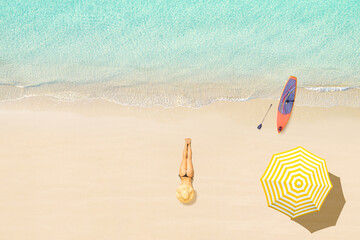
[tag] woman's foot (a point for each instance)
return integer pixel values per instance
(188, 141)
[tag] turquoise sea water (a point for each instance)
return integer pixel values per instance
(180, 53)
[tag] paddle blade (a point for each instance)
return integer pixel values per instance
(259, 127)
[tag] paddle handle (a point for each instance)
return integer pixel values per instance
(266, 113)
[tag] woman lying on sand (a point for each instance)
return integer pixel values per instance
(185, 192)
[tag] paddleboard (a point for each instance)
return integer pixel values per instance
(286, 103)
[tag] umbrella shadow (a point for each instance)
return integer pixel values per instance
(329, 212)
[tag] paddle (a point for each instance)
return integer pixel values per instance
(259, 127)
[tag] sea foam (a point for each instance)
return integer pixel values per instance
(328, 88)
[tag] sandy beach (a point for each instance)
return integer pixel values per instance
(97, 170)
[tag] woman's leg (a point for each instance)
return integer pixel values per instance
(183, 166)
(190, 168)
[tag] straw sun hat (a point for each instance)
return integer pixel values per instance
(185, 193)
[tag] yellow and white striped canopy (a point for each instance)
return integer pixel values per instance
(296, 182)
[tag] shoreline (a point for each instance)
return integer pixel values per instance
(188, 94)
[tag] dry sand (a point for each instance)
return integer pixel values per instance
(96, 170)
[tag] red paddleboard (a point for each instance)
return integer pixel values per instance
(286, 103)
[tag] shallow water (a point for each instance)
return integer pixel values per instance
(180, 53)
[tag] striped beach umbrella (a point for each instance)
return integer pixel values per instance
(296, 182)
